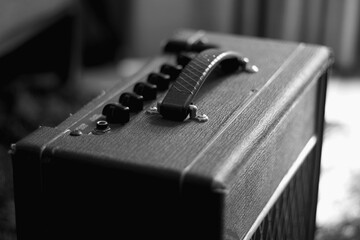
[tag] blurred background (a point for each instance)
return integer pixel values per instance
(56, 55)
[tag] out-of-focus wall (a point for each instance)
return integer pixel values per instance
(155, 20)
(334, 23)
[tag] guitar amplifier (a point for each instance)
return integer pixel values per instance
(218, 137)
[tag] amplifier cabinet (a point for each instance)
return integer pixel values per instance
(249, 172)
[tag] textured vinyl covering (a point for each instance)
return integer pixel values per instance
(213, 178)
(175, 146)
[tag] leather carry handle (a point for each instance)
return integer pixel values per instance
(176, 103)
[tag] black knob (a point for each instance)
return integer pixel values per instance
(133, 101)
(161, 80)
(176, 46)
(171, 70)
(184, 58)
(147, 90)
(116, 113)
(201, 46)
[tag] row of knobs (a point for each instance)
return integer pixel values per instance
(143, 91)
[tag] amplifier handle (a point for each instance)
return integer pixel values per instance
(177, 103)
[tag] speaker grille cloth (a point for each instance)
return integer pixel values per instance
(291, 216)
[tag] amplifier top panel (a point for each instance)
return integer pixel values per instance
(240, 107)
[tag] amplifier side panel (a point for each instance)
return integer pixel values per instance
(292, 213)
(296, 140)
